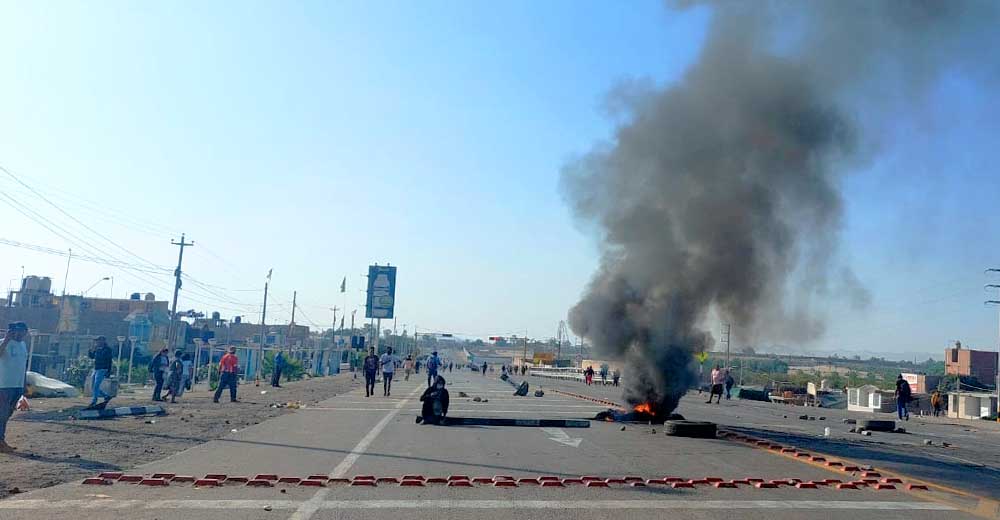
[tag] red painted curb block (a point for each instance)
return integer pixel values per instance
(891, 480)
(370, 483)
(259, 483)
(850, 469)
(130, 478)
(266, 476)
(215, 476)
(614, 481)
(183, 478)
(316, 477)
(914, 487)
(776, 447)
(460, 483)
(656, 481)
(880, 487)
(356, 477)
(806, 485)
(412, 483)
(97, 481)
(527, 481)
(552, 483)
(788, 450)
(674, 479)
(846, 485)
(697, 481)
(113, 475)
(725, 485)
(591, 477)
(634, 479)
(817, 459)
(289, 480)
(166, 476)
(713, 479)
(802, 455)
(413, 477)
(207, 482)
(818, 482)
(743, 481)
(502, 477)
(765, 485)
(542, 479)
(780, 483)
(859, 483)
(239, 480)
(677, 485)
(834, 463)
(597, 483)
(755, 480)
(337, 481)
(436, 480)
(154, 482)
(319, 483)
(505, 483)
(638, 484)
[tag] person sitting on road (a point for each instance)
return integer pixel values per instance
(718, 380)
(435, 399)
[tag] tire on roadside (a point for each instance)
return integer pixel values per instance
(878, 425)
(696, 429)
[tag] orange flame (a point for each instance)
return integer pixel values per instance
(644, 408)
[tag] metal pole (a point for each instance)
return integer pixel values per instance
(118, 371)
(378, 333)
(263, 334)
(996, 366)
(131, 356)
(31, 350)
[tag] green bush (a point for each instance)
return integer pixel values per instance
(77, 371)
(293, 370)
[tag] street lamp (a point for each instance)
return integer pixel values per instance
(95, 285)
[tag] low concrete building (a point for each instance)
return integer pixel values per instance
(921, 383)
(980, 364)
(870, 398)
(971, 405)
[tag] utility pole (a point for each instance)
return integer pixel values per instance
(291, 325)
(263, 331)
(172, 336)
(996, 379)
(726, 329)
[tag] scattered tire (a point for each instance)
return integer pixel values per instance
(696, 429)
(878, 425)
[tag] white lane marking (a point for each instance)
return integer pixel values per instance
(35, 504)
(309, 508)
(558, 435)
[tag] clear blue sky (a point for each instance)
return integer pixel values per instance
(316, 138)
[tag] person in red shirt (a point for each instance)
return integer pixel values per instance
(228, 366)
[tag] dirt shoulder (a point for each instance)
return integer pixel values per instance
(53, 447)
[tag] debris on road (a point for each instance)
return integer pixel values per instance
(522, 389)
(928, 442)
(477, 399)
(463, 394)
(122, 411)
(539, 393)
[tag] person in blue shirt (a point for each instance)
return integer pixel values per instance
(433, 363)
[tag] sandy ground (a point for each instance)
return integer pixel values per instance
(53, 447)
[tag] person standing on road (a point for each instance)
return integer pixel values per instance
(433, 363)
(451, 366)
(524, 369)
(158, 367)
(13, 365)
(936, 402)
(903, 395)
(371, 371)
(228, 366)
(588, 375)
(604, 374)
(615, 376)
(435, 407)
(101, 353)
(279, 365)
(729, 382)
(407, 367)
(175, 383)
(388, 363)
(188, 371)
(485, 366)
(718, 380)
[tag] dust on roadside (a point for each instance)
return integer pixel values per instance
(53, 447)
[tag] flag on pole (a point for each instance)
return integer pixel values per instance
(269, 274)
(343, 285)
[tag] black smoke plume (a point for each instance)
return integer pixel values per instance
(718, 197)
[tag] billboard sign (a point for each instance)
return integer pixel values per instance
(381, 292)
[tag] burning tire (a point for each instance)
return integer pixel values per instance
(697, 429)
(878, 426)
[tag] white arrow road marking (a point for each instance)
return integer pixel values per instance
(558, 435)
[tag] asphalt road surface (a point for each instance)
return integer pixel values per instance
(350, 435)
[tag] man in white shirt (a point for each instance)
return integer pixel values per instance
(388, 362)
(13, 365)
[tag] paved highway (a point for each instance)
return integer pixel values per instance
(350, 435)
